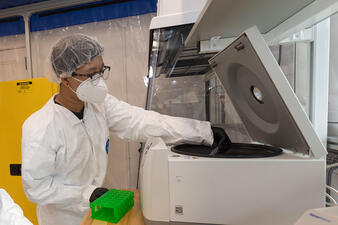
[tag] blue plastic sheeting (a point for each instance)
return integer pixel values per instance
(12, 26)
(81, 14)
(98, 11)
(4, 4)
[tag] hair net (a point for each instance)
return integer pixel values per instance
(72, 52)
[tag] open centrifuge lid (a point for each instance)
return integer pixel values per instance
(263, 97)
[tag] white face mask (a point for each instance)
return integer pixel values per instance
(92, 91)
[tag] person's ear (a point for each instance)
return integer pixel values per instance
(65, 81)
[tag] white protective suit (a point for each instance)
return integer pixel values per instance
(64, 159)
(11, 213)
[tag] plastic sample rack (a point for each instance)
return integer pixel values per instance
(112, 206)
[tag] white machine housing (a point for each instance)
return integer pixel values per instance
(321, 216)
(184, 189)
(181, 189)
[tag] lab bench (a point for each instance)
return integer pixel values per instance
(133, 217)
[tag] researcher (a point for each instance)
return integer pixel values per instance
(65, 143)
(10, 212)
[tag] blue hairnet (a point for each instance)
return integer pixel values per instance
(72, 52)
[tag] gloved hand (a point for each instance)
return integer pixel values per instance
(221, 141)
(97, 193)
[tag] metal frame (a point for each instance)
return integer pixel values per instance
(320, 82)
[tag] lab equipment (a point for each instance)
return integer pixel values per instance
(204, 190)
(180, 188)
(320, 216)
(112, 206)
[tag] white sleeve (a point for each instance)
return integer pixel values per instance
(137, 124)
(39, 178)
(10, 212)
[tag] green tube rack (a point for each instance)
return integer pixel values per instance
(112, 206)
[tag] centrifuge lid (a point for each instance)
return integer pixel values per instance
(263, 97)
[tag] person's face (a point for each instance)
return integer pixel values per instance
(93, 66)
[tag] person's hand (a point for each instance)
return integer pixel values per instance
(97, 193)
(221, 141)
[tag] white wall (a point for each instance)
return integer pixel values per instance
(12, 58)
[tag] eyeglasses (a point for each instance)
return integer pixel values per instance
(104, 73)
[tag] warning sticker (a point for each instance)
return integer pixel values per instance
(24, 87)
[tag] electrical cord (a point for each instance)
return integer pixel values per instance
(332, 189)
(330, 204)
(330, 170)
(334, 203)
(332, 199)
(332, 165)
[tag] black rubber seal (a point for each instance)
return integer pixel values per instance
(237, 150)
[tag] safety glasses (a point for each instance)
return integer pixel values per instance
(104, 73)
